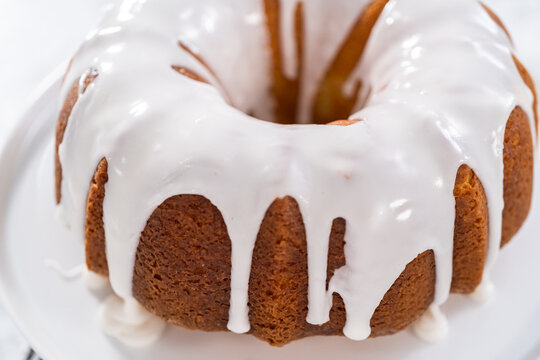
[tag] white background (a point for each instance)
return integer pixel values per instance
(36, 36)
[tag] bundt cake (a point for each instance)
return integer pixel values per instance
(210, 218)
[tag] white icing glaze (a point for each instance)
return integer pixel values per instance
(442, 93)
(432, 327)
(127, 321)
(484, 292)
(94, 281)
(287, 16)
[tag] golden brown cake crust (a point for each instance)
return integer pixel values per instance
(471, 231)
(278, 279)
(189, 73)
(94, 234)
(518, 173)
(183, 264)
(343, 122)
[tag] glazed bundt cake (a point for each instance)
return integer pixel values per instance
(211, 219)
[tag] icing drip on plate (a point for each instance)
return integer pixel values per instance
(66, 274)
(484, 292)
(129, 322)
(90, 279)
(432, 327)
(441, 95)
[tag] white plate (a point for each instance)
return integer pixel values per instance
(59, 317)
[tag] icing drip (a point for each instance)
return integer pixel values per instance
(484, 292)
(94, 281)
(68, 274)
(129, 322)
(442, 94)
(432, 327)
(91, 280)
(287, 10)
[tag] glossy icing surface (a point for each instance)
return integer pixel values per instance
(438, 97)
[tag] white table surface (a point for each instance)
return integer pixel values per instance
(36, 36)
